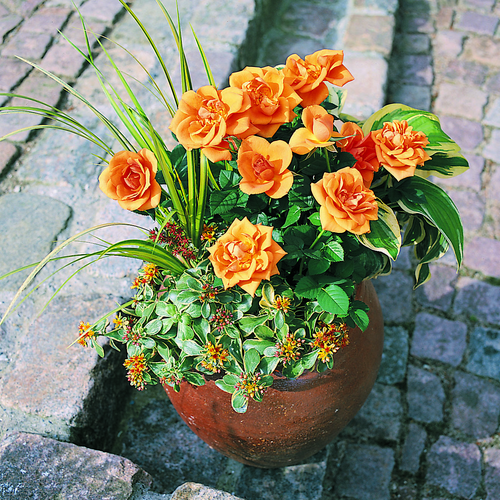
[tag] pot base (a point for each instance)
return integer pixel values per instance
(296, 418)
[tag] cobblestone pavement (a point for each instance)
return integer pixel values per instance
(430, 428)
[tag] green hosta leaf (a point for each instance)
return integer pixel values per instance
(439, 209)
(194, 378)
(385, 234)
(251, 360)
(239, 402)
(334, 300)
(414, 231)
(443, 165)
(422, 274)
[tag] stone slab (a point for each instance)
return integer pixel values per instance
(196, 491)
(425, 395)
(394, 356)
(477, 300)
(460, 100)
(395, 295)
(439, 291)
(33, 467)
(40, 219)
(486, 261)
(412, 448)
(492, 476)
(484, 352)
(455, 466)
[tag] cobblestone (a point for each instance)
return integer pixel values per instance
(449, 43)
(467, 72)
(395, 356)
(8, 152)
(493, 115)
(365, 473)
(459, 100)
(395, 289)
(484, 356)
(476, 406)
(468, 134)
(455, 466)
(439, 339)
(438, 292)
(477, 300)
(486, 260)
(483, 49)
(491, 150)
(492, 476)
(425, 395)
(366, 33)
(472, 209)
(7, 24)
(477, 23)
(412, 448)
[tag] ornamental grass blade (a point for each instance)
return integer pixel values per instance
(208, 70)
(155, 49)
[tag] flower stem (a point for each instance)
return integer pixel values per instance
(317, 239)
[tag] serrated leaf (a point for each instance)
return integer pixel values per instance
(360, 318)
(292, 217)
(333, 251)
(307, 288)
(318, 266)
(334, 300)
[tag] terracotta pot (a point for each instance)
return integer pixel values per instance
(297, 418)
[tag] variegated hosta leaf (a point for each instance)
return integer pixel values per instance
(438, 209)
(385, 233)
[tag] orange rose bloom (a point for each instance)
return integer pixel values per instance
(318, 130)
(362, 148)
(130, 179)
(346, 204)
(205, 117)
(400, 149)
(272, 99)
(307, 76)
(263, 166)
(245, 255)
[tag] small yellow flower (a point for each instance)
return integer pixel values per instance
(85, 334)
(282, 303)
(136, 366)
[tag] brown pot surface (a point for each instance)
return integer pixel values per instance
(296, 418)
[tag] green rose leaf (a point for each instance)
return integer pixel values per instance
(334, 300)
(307, 288)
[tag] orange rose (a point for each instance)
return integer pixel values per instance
(130, 179)
(272, 99)
(205, 117)
(318, 130)
(400, 149)
(307, 76)
(346, 204)
(362, 148)
(245, 255)
(263, 166)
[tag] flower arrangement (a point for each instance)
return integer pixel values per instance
(266, 216)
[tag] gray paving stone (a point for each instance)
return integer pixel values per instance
(13, 70)
(418, 43)
(22, 7)
(365, 473)
(8, 153)
(367, 91)
(417, 23)
(415, 69)
(477, 23)
(32, 466)
(31, 46)
(467, 72)
(303, 482)
(425, 395)
(448, 43)
(482, 49)
(486, 261)
(476, 406)
(484, 356)
(493, 82)
(46, 20)
(196, 491)
(370, 33)
(472, 208)
(444, 17)
(438, 292)
(492, 475)
(101, 10)
(467, 134)
(380, 416)
(438, 338)
(412, 448)
(394, 356)
(395, 295)
(415, 96)
(462, 101)
(493, 115)
(386, 6)
(455, 466)
(7, 24)
(477, 300)
(39, 217)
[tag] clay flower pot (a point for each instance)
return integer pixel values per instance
(297, 418)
